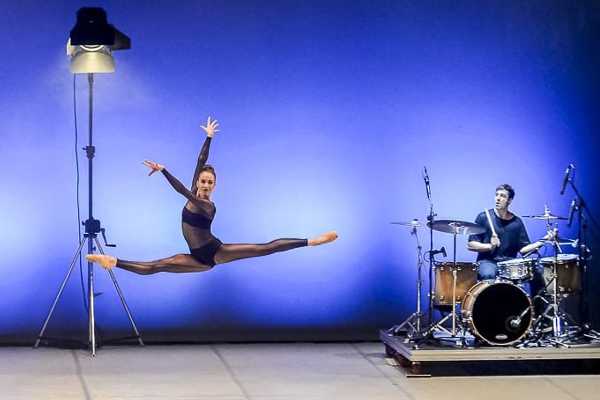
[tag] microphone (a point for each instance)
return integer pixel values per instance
(570, 167)
(426, 179)
(572, 209)
(515, 322)
(441, 251)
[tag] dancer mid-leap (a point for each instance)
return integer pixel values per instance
(197, 215)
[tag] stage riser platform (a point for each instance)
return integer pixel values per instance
(445, 360)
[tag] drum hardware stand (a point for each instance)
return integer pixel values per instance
(413, 322)
(92, 229)
(438, 326)
(563, 330)
(458, 332)
(583, 250)
(558, 318)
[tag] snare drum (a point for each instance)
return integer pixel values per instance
(517, 269)
(568, 273)
(466, 277)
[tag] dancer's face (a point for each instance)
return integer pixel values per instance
(206, 185)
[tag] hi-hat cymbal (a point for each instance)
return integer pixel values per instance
(456, 227)
(545, 217)
(414, 223)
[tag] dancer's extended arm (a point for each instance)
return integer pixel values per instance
(210, 129)
(205, 205)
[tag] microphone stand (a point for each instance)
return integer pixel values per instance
(583, 213)
(430, 220)
(414, 331)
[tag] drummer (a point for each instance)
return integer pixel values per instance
(510, 239)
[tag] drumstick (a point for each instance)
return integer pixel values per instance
(487, 214)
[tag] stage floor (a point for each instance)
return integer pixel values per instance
(286, 371)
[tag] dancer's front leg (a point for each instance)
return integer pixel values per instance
(231, 252)
(176, 264)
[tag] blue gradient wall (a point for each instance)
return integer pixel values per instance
(328, 112)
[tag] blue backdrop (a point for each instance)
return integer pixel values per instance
(328, 110)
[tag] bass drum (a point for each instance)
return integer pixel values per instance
(499, 313)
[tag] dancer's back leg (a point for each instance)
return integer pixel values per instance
(177, 263)
(231, 252)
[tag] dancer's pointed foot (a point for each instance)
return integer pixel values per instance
(323, 238)
(105, 261)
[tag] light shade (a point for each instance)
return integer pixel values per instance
(92, 41)
(90, 59)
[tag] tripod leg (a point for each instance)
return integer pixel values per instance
(91, 310)
(60, 290)
(122, 297)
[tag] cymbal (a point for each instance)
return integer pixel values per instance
(545, 217)
(414, 223)
(456, 227)
(562, 242)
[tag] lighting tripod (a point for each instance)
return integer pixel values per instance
(92, 229)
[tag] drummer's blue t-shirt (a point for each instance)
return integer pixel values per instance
(511, 232)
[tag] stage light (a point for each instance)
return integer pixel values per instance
(92, 41)
(90, 47)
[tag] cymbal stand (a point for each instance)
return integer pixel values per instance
(454, 278)
(413, 323)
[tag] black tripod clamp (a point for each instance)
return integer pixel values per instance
(93, 227)
(90, 151)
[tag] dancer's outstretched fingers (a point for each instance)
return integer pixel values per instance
(153, 166)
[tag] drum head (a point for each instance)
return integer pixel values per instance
(561, 258)
(501, 313)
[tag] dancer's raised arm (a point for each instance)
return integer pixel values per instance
(210, 129)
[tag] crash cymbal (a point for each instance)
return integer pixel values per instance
(414, 223)
(456, 227)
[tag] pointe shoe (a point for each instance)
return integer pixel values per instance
(105, 261)
(323, 238)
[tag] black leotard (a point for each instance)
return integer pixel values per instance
(197, 215)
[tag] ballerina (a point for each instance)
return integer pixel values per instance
(206, 250)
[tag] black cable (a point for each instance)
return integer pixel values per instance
(77, 190)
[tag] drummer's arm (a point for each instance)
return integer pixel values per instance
(475, 242)
(531, 247)
(479, 247)
(537, 244)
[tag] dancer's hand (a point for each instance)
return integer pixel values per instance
(211, 127)
(153, 166)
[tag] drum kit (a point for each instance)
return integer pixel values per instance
(499, 312)
(503, 311)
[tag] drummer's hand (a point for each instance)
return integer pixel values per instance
(495, 242)
(551, 235)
